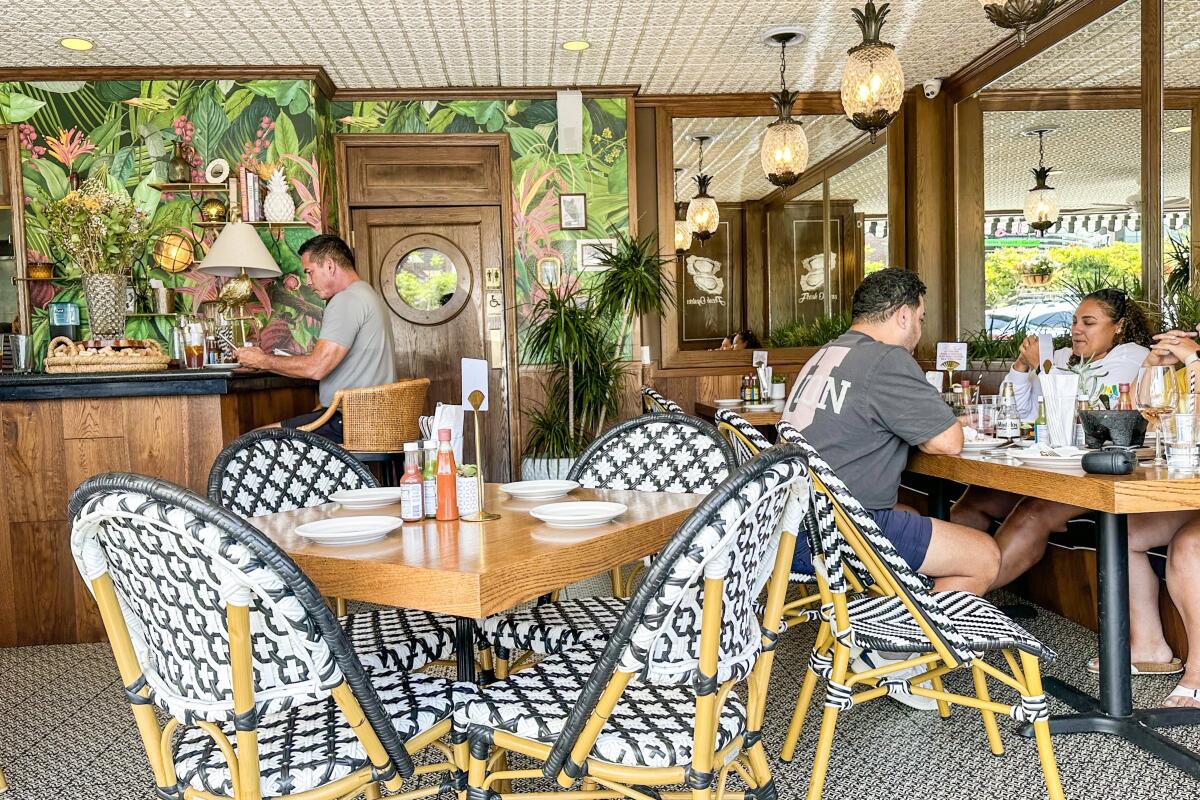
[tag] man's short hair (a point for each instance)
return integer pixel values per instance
(882, 293)
(329, 246)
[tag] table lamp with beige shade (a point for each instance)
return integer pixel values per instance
(239, 254)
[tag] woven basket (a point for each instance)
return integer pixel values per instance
(67, 357)
(380, 419)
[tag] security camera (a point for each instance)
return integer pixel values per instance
(932, 87)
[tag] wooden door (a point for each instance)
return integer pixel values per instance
(437, 268)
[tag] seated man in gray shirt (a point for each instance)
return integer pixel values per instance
(355, 346)
(862, 401)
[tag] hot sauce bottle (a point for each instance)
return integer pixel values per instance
(447, 489)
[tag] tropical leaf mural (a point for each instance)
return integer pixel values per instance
(70, 129)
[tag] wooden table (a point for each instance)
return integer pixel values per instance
(472, 570)
(756, 418)
(1148, 489)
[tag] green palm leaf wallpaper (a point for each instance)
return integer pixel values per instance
(69, 129)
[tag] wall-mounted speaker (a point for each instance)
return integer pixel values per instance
(570, 122)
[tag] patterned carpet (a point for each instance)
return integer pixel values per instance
(66, 732)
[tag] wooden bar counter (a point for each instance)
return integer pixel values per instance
(58, 430)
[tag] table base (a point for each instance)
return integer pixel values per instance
(1138, 728)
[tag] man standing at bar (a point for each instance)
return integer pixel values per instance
(355, 346)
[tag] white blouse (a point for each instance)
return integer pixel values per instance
(1119, 366)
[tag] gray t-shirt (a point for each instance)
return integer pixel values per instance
(861, 403)
(356, 318)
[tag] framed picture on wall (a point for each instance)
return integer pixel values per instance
(588, 254)
(572, 212)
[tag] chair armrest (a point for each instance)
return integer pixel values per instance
(328, 415)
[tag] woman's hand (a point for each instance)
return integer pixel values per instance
(1172, 348)
(1029, 356)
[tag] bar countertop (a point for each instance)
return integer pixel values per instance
(39, 386)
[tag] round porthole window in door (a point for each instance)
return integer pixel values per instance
(426, 279)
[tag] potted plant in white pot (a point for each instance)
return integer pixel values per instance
(578, 333)
(103, 234)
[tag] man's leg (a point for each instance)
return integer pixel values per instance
(978, 508)
(1023, 536)
(960, 558)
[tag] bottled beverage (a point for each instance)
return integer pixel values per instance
(755, 390)
(447, 490)
(64, 320)
(429, 479)
(1124, 401)
(178, 336)
(1041, 433)
(412, 504)
(1008, 421)
(1081, 404)
(193, 349)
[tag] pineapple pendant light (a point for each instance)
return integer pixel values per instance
(784, 153)
(1017, 15)
(1041, 203)
(683, 236)
(873, 80)
(702, 213)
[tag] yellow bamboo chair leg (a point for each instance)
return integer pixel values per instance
(618, 585)
(501, 667)
(339, 605)
(942, 706)
(816, 783)
(989, 717)
(3, 782)
(805, 698)
(1041, 728)
(242, 665)
(371, 792)
(477, 769)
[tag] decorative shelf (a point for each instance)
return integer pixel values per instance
(190, 187)
(256, 223)
(132, 315)
(53, 279)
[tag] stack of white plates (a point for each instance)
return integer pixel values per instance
(727, 402)
(977, 445)
(760, 406)
(367, 498)
(348, 530)
(587, 514)
(1049, 462)
(539, 490)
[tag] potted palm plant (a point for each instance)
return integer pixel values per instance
(578, 331)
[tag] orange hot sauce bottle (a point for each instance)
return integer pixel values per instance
(447, 496)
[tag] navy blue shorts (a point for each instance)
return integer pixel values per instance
(908, 533)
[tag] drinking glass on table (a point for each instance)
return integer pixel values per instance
(983, 418)
(1156, 395)
(1180, 434)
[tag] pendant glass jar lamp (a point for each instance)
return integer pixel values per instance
(683, 236)
(702, 214)
(873, 80)
(1017, 15)
(1041, 203)
(784, 153)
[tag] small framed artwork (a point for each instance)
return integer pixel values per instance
(589, 255)
(549, 271)
(572, 212)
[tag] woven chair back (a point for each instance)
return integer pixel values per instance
(655, 403)
(656, 453)
(177, 562)
(380, 419)
(732, 537)
(276, 469)
(844, 537)
(746, 440)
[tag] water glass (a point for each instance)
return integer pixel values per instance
(16, 353)
(983, 418)
(1181, 433)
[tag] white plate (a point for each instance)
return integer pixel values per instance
(982, 444)
(727, 403)
(1050, 462)
(586, 514)
(539, 490)
(221, 366)
(760, 406)
(348, 530)
(367, 498)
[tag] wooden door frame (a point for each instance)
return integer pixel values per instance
(344, 142)
(16, 191)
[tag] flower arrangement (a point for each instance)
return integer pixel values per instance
(101, 231)
(1038, 265)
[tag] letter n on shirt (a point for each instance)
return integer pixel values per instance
(816, 388)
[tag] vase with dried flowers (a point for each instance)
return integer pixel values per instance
(103, 233)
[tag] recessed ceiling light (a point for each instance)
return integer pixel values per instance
(576, 45)
(1182, 129)
(75, 43)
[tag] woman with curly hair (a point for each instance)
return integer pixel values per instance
(1112, 331)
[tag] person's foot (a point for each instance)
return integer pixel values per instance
(1151, 659)
(1184, 696)
(872, 659)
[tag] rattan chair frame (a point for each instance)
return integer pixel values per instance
(390, 757)
(655, 403)
(568, 759)
(866, 686)
(378, 419)
(248, 440)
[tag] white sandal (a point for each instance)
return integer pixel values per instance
(1186, 692)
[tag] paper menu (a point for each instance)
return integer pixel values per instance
(951, 356)
(474, 377)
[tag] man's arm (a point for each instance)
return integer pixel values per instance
(947, 443)
(323, 359)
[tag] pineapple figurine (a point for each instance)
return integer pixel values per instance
(279, 205)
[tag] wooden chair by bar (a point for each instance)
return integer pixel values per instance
(275, 469)
(210, 621)
(659, 705)
(944, 630)
(655, 403)
(650, 453)
(378, 420)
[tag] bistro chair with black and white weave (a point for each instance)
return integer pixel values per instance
(659, 704)
(651, 453)
(276, 469)
(655, 403)
(944, 631)
(212, 623)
